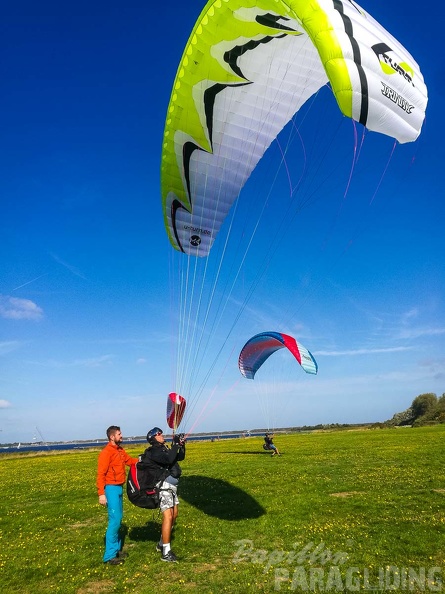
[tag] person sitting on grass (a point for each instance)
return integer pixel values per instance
(269, 444)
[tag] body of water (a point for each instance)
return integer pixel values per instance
(42, 447)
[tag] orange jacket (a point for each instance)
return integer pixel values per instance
(111, 466)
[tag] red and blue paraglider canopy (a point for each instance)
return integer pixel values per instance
(259, 348)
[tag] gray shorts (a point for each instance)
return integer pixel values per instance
(168, 496)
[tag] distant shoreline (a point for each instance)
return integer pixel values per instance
(82, 445)
(215, 436)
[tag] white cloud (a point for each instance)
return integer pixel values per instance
(4, 404)
(91, 362)
(29, 282)
(8, 346)
(14, 308)
(69, 267)
(362, 351)
(409, 315)
(418, 332)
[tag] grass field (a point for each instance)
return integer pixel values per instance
(338, 511)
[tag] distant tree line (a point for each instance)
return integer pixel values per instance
(426, 409)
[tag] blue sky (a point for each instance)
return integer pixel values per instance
(89, 306)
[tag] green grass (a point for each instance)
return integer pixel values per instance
(349, 499)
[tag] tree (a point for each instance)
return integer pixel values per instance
(423, 404)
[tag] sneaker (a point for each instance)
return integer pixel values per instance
(170, 556)
(115, 561)
(122, 555)
(159, 548)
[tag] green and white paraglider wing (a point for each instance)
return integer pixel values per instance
(248, 67)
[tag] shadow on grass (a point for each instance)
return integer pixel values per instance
(149, 531)
(219, 498)
(123, 531)
(263, 453)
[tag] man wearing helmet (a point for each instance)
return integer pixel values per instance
(161, 462)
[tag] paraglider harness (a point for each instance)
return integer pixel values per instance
(147, 497)
(268, 445)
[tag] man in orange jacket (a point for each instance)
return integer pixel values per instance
(110, 480)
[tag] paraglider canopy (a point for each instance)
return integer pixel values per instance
(175, 409)
(248, 67)
(261, 346)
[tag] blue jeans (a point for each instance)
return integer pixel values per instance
(113, 493)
